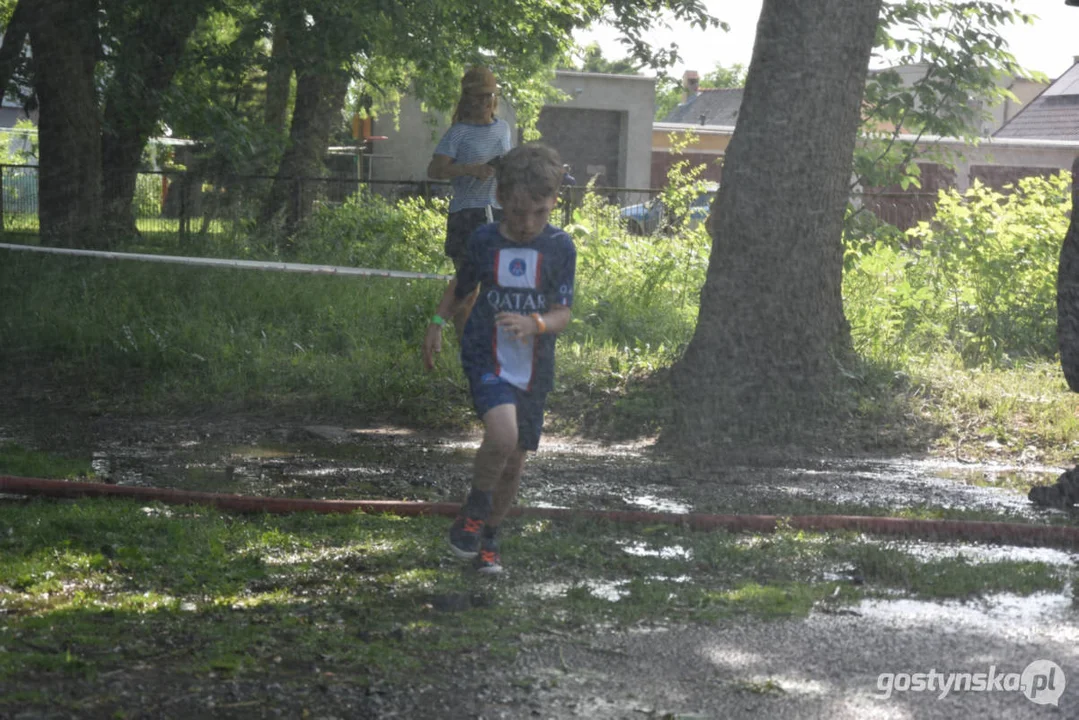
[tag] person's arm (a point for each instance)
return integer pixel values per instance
(442, 167)
(551, 322)
(432, 339)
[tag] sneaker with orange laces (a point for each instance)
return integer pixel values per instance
(488, 561)
(465, 535)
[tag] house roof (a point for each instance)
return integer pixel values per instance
(1053, 115)
(710, 106)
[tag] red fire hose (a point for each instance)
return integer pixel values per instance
(974, 531)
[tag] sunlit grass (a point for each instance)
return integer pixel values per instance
(97, 586)
(17, 460)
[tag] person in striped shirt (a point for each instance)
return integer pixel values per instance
(466, 156)
(524, 269)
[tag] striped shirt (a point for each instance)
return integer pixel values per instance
(470, 144)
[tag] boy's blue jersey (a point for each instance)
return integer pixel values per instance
(525, 279)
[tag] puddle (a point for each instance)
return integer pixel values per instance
(331, 462)
(669, 552)
(1055, 610)
(977, 554)
(1016, 480)
(655, 504)
(610, 590)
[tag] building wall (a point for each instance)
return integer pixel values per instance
(663, 160)
(997, 176)
(590, 141)
(634, 97)
(708, 149)
(405, 153)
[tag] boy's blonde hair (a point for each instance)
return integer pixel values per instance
(534, 167)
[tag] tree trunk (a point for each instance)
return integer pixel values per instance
(63, 37)
(149, 55)
(14, 38)
(1068, 292)
(278, 79)
(319, 99)
(771, 332)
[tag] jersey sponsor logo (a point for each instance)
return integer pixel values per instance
(516, 301)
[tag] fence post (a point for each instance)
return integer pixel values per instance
(1, 198)
(297, 199)
(183, 204)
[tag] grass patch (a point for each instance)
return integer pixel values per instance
(17, 460)
(976, 380)
(97, 586)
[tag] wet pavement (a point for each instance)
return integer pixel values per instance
(334, 462)
(835, 663)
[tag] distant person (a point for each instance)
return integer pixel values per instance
(524, 269)
(466, 156)
(569, 201)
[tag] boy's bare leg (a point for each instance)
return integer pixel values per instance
(506, 490)
(498, 446)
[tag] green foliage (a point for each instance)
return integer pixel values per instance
(370, 231)
(147, 198)
(959, 57)
(590, 59)
(725, 77)
(640, 291)
(19, 147)
(977, 282)
(17, 460)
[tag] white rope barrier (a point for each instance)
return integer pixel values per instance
(238, 264)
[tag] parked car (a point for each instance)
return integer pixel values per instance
(649, 217)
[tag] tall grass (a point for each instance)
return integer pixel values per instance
(948, 317)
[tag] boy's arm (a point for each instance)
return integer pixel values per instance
(551, 322)
(432, 339)
(557, 318)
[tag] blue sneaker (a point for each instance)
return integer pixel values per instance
(465, 536)
(488, 561)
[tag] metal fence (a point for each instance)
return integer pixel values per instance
(189, 204)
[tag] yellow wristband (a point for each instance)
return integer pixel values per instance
(539, 323)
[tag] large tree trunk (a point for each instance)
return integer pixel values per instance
(1068, 292)
(319, 99)
(14, 38)
(150, 52)
(278, 79)
(63, 38)
(771, 330)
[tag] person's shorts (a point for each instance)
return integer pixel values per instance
(491, 391)
(459, 228)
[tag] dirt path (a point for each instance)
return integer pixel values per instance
(828, 664)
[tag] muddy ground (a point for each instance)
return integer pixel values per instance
(825, 665)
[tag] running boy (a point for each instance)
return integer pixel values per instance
(524, 269)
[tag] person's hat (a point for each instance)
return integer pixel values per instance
(479, 80)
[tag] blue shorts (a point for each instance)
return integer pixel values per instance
(491, 391)
(459, 228)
